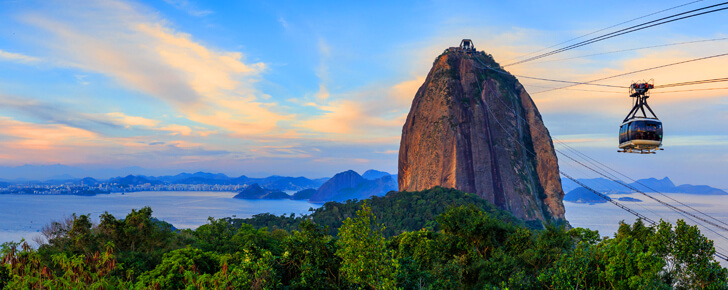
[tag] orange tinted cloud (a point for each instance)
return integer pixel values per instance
(205, 85)
(42, 142)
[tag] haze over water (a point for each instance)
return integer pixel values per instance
(605, 217)
(22, 216)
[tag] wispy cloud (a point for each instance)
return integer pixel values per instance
(209, 86)
(129, 121)
(29, 142)
(188, 7)
(322, 72)
(370, 112)
(10, 56)
(55, 113)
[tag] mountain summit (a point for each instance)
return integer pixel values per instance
(473, 127)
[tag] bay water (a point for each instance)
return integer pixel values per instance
(22, 216)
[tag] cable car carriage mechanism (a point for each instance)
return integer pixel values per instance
(640, 134)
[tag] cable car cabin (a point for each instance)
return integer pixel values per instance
(640, 135)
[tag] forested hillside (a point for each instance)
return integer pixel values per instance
(397, 211)
(433, 239)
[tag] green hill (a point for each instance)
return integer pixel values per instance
(398, 211)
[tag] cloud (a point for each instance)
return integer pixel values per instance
(350, 117)
(188, 7)
(140, 51)
(4, 55)
(42, 137)
(177, 129)
(55, 113)
(696, 140)
(369, 112)
(403, 93)
(283, 22)
(132, 120)
(80, 79)
(322, 72)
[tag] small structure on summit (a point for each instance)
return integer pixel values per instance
(467, 46)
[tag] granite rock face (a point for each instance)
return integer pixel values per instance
(477, 130)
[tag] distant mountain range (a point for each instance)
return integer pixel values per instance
(272, 182)
(64, 172)
(278, 182)
(343, 186)
(578, 194)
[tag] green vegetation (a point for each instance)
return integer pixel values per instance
(434, 239)
(397, 211)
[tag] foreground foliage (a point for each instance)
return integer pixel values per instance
(463, 246)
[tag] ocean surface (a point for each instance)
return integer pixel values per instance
(22, 216)
(605, 217)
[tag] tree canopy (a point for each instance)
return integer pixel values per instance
(458, 242)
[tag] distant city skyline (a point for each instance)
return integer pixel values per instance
(316, 88)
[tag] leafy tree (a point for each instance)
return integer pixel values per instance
(216, 236)
(27, 271)
(309, 260)
(82, 240)
(364, 254)
(140, 239)
(178, 268)
(4, 275)
(688, 256)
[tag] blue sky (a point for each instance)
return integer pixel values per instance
(318, 87)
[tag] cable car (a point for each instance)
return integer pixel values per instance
(640, 134)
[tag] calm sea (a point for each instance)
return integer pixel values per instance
(22, 216)
(605, 217)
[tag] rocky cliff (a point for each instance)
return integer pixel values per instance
(477, 130)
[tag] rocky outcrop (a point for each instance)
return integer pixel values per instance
(477, 130)
(304, 194)
(350, 185)
(254, 191)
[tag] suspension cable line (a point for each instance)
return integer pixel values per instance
(632, 49)
(621, 87)
(638, 71)
(627, 30)
(570, 82)
(700, 82)
(636, 181)
(647, 195)
(693, 90)
(600, 30)
(609, 199)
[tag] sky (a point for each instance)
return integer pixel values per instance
(312, 88)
